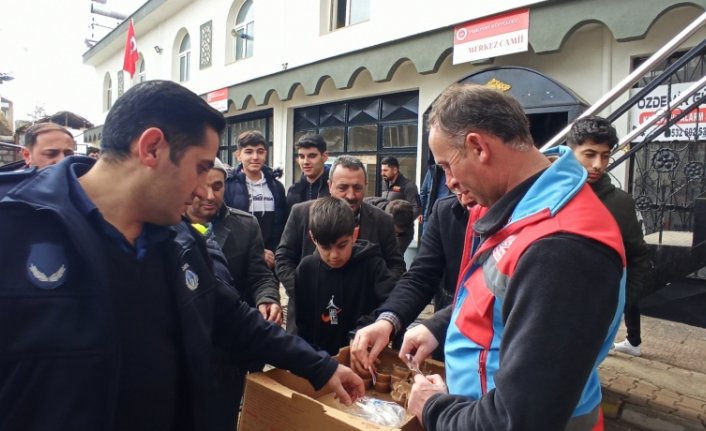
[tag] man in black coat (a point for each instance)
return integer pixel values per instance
(238, 235)
(433, 272)
(348, 182)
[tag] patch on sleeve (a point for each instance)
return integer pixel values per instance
(47, 266)
(191, 280)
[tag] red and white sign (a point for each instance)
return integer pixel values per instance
(218, 99)
(659, 98)
(492, 37)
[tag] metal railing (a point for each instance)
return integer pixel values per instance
(635, 76)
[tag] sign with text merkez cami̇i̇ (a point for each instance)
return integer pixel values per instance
(492, 37)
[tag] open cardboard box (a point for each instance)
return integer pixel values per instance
(278, 400)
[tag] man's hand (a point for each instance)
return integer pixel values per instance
(346, 385)
(420, 218)
(271, 311)
(375, 337)
(423, 388)
(269, 257)
(419, 342)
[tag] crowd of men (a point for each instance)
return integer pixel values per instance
(143, 285)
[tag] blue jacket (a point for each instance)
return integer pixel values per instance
(59, 345)
(237, 196)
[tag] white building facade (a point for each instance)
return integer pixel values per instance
(363, 72)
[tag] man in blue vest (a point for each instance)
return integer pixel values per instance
(541, 285)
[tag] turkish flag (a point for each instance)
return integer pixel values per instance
(131, 55)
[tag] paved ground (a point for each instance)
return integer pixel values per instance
(672, 343)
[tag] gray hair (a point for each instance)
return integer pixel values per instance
(462, 108)
(348, 162)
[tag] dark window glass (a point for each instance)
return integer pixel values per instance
(363, 137)
(334, 138)
(399, 135)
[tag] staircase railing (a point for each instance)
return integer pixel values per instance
(635, 76)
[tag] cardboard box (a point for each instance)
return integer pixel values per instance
(278, 400)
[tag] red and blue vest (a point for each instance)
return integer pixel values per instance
(558, 202)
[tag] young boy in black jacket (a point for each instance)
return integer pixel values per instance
(338, 287)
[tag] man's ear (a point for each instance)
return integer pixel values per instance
(477, 145)
(324, 156)
(149, 143)
(356, 232)
(237, 155)
(26, 155)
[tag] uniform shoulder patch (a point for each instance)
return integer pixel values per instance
(47, 266)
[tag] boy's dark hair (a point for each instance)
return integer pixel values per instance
(390, 161)
(595, 128)
(35, 130)
(91, 150)
(251, 138)
(402, 213)
(329, 219)
(182, 116)
(312, 140)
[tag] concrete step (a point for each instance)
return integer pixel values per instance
(653, 395)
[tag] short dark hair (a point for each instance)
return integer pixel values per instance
(329, 219)
(312, 140)
(462, 108)
(182, 116)
(390, 161)
(91, 149)
(402, 213)
(35, 130)
(348, 162)
(595, 128)
(251, 138)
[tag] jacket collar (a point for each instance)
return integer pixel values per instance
(548, 190)
(39, 190)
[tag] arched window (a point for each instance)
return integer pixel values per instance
(141, 75)
(244, 31)
(185, 58)
(107, 92)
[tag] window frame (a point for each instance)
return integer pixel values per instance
(184, 59)
(244, 42)
(107, 92)
(340, 16)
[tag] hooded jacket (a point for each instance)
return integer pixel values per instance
(333, 301)
(237, 196)
(60, 354)
(374, 225)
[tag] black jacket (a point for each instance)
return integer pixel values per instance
(352, 291)
(404, 189)
(375, 226)
(59, 345)
(622, 207)
(303, 190)
(434, 271)
(238, 235)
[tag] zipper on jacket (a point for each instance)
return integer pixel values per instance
(482, 358)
